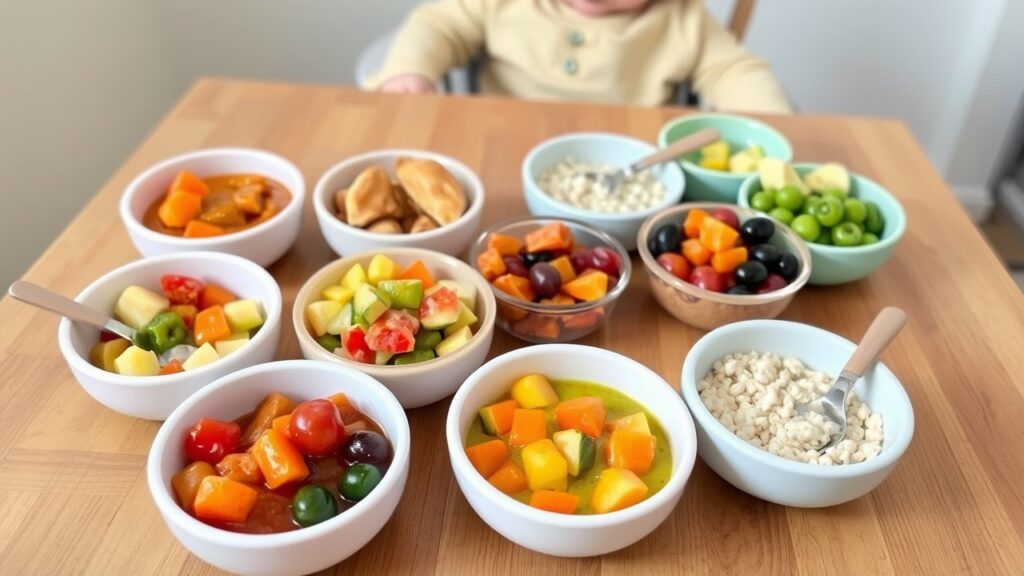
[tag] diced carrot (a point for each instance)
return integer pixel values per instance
(224, 500)
(559, 300)
(178, 208)
(528, 425)
(349, 413)
(505, 245)
(211, 325)
(516, 286)
(565, 269)
(554, 501)
(587, 287)
(585, 414)
(695, 252)
(417, 271)
(497, 418)
(200, 229)
(172, 367)
(510, 479)
(539, 326)
(630, 450)
(488, 456)
(189, 182)
(241, 467)
(214, 295)
(617, 488)
(728, 260)
(186, 482)
(281, 423)
(490, 264)
(716, 235)
(279, 460)
(553, 236)
(582, 320)
(273, 406)
(694, 218)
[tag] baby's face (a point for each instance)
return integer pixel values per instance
(605, 7)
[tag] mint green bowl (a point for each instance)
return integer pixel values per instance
(707, 185)
(841, 264)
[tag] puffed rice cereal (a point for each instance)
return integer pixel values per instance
(754, 396)
(566, 182)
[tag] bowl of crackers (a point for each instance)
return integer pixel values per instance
(392, 198)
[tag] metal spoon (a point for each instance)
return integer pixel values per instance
(47, 299)
(685, 145)
(832, 404)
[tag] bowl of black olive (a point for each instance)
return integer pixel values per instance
(711, 264)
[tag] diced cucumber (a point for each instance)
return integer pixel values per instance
(579, 450)
(341, 320)
(428, 340)
(329, 342)
(414, 357)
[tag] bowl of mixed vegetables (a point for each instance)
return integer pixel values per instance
(196, 316)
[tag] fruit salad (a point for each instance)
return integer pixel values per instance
(185, 326)
(386, 314)
(569, 447)
(713, 251)
(282, 467)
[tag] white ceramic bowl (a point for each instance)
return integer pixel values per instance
(599, 148)
(417, 384)
(154, 397)
(774, 478)
(452, 239)
(301, 551)
(264, 243)
(562, 534)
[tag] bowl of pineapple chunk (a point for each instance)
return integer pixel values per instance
(196, 316)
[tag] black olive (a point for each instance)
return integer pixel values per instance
(787, 266)
(667, 238)
(739, 290)
(766, 254)
(751, 273)
(757, 231)
(531, 258)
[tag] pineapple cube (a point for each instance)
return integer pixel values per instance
(205, 354)
(466, 318)
(718, 150)
(617, 488)
(355, 276)
(339, 294)
(319, 314)
(137, 306)
(381, 268)
(135, 361)
(533, 391)
(225, 347)
(546, 468)
(244, 315)
(104, 354)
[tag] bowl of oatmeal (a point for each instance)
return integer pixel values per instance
(741, 383)
(554, 184)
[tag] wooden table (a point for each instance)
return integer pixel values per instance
(73, 496)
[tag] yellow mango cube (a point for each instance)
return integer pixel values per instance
(617, 488)
(546, 468)
(355, 276)
(381, 268)
(533, 391)
(339, 294)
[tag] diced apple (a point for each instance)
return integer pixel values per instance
(369, 303)
(339, 293)
(341, 321)
(831, 176)
(466, 318)
(452, 343)
(225, 347)
(205, 354)
(775, 173)
(381, 268)
(244, 315)
(403, 293)
(742, 163)
(135, 361)
(755, 152)
(466, 295)
(320, 313)
(355, 276)
(104, 354)
(137, 306)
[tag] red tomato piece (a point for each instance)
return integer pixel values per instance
(772, 283)
(316, 428)
(706, 278)
(210, 440)
(181, 289)
(354, 343)
(727, 216)
(675, 264)
(390, 339)
(398, 319)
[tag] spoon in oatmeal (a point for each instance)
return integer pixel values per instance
(609, 181)
(832, 404)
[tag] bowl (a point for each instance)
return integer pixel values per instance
(704, 184)
(417, 384)
(154, 397)
(543, 323)
(562, 534)
(451, 239)
(774, 478)
(597, 148)
(263, 243)
(841, 264)
(708, 310)
(300, 551)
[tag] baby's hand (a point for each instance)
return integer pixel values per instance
(408, 84)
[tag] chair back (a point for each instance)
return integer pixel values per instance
(742, 10)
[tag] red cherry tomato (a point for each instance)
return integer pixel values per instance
(181, 289)
(705, 277)
(316, 428)
(727, 216)
(211, 440)
(675, 264)
(772, 283)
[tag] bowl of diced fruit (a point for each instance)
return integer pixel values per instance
(711, 264)
(570, 450)
(851, 224)
(197, 316)
(555, 280)
(716, 171)
(417, 320)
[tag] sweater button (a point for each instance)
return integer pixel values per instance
(576, 38)
(570, 66)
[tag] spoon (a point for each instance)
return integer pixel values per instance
(832, 404)
(686, 144)
(47, 299)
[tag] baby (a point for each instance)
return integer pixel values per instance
(612, 51)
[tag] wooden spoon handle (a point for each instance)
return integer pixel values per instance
(682, 146)
(47, 299)
(883, 329)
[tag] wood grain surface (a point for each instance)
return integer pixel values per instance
(73, 495)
